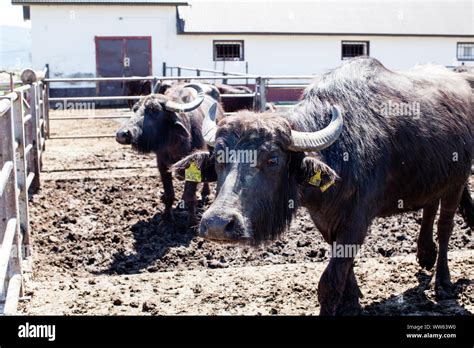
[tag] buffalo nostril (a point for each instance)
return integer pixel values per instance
(203, 229)
(229, 228)
(221, 227)
(123, 136)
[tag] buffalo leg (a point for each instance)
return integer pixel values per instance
(332, 284)
(349, 304)
(426, 252)
(466, 207)
(189, 198)
(205, 191)
(168, 196)
(449, 205)
(339, 272)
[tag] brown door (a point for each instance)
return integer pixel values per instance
(121, 56)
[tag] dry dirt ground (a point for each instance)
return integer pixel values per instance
(99, 247)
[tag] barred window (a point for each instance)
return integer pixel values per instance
(228, 50)
(354, 48)
(465, 51)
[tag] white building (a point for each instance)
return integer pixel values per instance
(86, 38)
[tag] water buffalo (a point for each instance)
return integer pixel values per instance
(363, 142)
(233, 89)
(137, 88)
(233, 104)
(169, 125)
(467, 73)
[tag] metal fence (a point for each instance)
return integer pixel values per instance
(262, 84)
(7, 87)
(178, 71)
(22, 141)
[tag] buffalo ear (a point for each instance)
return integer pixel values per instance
(202, 160)
(163, 88)
(181, 128)
(316, 173)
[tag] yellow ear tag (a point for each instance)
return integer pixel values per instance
(192, 173)
(315, 180)
(326, 186)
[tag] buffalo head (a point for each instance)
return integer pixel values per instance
(259, 163)
(157, 117)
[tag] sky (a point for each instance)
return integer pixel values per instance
(15, 40)
(12, 14)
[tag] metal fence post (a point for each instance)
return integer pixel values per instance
(44, 96)
(12, 84)
(44, 103)
(7, 185)
(246, 72)
(35, 110)
(262, 93)
(21, 169)
(7, 138)
(164, 69)
(40, 108)
(9, 206)
(153, 85)
(256, 98)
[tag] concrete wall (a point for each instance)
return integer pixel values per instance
(63, 36)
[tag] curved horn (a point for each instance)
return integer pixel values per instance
(178, 107)
(315, 141)
(209, 126)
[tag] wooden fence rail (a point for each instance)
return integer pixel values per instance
(22, 139)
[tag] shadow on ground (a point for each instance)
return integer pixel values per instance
(420, 300)
(153, 239)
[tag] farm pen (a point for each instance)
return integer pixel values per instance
(22, 140)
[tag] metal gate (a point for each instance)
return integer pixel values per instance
(121, 56)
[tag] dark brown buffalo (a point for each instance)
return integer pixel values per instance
(467, 72)
(137, 88)
(233, 102)
(230, 103)
(169, 125)
(236, 103)
(405, 144)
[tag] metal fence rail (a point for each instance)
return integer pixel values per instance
(147, 78)
(262, 85)
(155, 79)
(22, 134)
(198, 71)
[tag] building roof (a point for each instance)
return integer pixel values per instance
(329, 17)
(99, 2)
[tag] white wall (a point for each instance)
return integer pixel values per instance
(63, 36)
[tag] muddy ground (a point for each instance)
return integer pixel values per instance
(100, 247)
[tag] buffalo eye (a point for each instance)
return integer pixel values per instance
(272, 161)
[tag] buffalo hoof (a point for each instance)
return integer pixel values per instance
(426, 256)
(323, 312)
(349, 310)
(444, 290)
(167, 217)
(204, 201)
(192, 222)
(350, 303)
